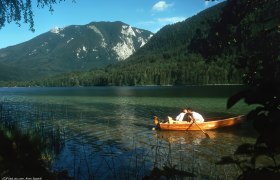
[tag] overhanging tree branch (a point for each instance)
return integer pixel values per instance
(19, 11)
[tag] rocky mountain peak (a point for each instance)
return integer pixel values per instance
(75, 48)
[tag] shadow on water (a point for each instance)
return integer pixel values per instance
(239, 130)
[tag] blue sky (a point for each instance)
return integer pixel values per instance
(145, 14)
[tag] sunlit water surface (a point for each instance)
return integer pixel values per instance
(107, 132)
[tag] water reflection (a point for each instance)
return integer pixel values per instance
(107, 132)
(185, 137)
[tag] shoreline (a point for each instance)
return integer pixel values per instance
(123, 86)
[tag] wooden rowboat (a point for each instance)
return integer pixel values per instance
(208, 124)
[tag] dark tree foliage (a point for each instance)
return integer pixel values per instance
(261, 59)
(21, 10)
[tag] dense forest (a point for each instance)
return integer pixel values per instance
(158, 72)
(211, 47)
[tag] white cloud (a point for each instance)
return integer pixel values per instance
(209, 3)
(170, 20)
(156, 24)
(163, 21)
(161, 6)
(147, 22)
(140, 10)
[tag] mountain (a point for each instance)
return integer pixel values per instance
(164, 60)
(232, 42)
(226, 44)
(73, 48)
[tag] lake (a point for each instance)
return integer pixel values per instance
(107, 132)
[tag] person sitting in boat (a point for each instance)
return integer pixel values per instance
(192, 114)
(181, 117)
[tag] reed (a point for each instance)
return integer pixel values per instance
(25, 147)
(155, 158)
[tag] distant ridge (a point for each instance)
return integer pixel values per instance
(72, 48)
(217, 46)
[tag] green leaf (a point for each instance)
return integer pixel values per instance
(9, 134)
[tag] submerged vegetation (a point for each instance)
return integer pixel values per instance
(26, 152)
(20, 155)
(25, 155)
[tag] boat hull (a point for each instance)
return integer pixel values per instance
(210, 123)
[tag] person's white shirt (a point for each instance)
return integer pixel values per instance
(180, 117)
(198, 117)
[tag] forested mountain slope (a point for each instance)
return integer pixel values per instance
(217, 46)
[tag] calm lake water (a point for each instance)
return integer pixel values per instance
(107, 132)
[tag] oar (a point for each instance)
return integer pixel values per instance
(207, 135)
